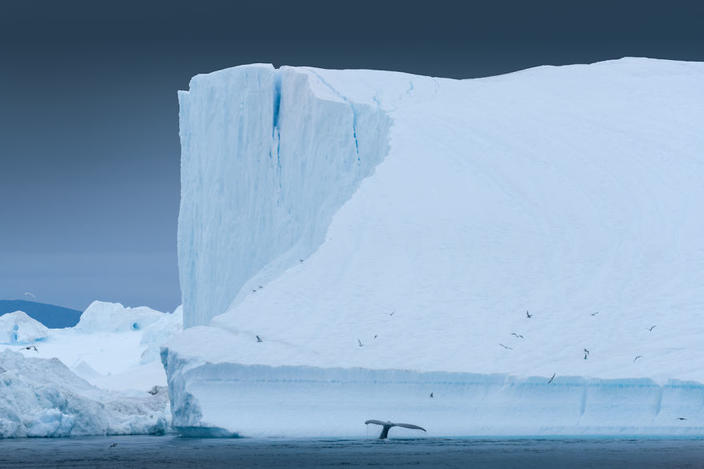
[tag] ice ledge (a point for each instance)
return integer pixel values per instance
(303, 401)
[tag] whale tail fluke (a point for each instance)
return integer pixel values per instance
(386, 426)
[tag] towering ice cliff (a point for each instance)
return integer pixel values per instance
(352, 241)
(265, 165)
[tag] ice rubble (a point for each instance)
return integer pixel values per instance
(388, 232)
(18, 328)
(42, 397)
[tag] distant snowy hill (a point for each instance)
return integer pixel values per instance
(529, 248)
(50, 315)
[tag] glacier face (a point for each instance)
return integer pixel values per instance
(265, 164)
(571, 192)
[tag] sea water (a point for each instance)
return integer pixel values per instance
(176, 452)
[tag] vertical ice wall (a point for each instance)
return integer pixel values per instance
(265, 163)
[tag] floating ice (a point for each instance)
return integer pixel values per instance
(43, 398)
(17, 329)
(113, 317)
(365, 223)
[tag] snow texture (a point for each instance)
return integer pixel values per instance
(43, 398)
(403, 235)
(18, 328)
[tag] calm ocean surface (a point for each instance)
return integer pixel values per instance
(175, 452)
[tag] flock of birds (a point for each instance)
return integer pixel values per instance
(388, 425)
(587, 352)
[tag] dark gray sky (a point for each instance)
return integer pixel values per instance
(89, 151)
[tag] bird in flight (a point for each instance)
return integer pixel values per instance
(552, 378)
(387, 426)
(586, 353)
(528, 315)
(594, 314)
(651, 328)
(506, 347)
(259, 339)
(360, 343)
(639, 356)
(518, 336)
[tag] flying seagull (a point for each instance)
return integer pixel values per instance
(681, 418)
(431, 395)
(518, 336)
(594, 314)
(639, 356)
(31, 295)
(360, 343)
(112, 445)
(259, 339)
(506, 347)
(528, 315)
(32, 347)
(651, 328)
(552, 378)
(387, 426)
(586, 353)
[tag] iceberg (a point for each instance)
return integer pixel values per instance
(519, 254)
(18, 329)
(43, 398)
(101, 316)
(112, 347)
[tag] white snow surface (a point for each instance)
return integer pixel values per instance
(43, 398)
(18, 328)
(374, 227)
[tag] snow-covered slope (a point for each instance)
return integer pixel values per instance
(43, 398)
(361, 223)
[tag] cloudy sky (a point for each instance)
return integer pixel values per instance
(89, 151)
